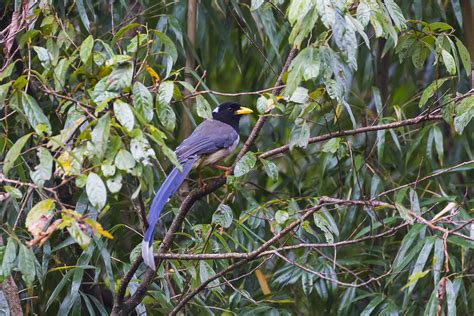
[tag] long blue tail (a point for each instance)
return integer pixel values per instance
(171, 184)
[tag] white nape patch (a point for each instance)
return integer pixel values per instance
(216, 110)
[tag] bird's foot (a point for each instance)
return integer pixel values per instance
(226, 170)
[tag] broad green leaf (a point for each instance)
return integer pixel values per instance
(141, 149)
(124, 160)
(35, 115)
(322, 223)
(14, 153)
(42, 172)
(281, 217)
(449, 62)
(115, 183)
(464, 114)
(298, 9)
(120, 78)
(86, 49)
(26, 265)
(255, 4)
(107, 168)
(363, 12)
(245, 164)
(96, 192)
(299, 135)
(143, 100)
(431, 89)
(331, 146)
(44, 56)
(7, 71)
(223, 216)
(271, 169)
(124, 114)
(203, 108)
(4, 92)
(100, 136)
(306, 65)
(300, 95)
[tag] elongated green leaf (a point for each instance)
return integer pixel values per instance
(372, 305)
(14, 153)
(465, 56)
(449, 62)
(271, 169)
(203, 108)
(9, 257)
(430, 90)
(26, 265)
(299, 135)
(35, 115)
(100, 136)
(86, 49)
(83, 14)
(143, 101)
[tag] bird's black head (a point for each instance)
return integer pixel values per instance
(230, 113)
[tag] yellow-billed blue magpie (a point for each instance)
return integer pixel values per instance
(211, 141)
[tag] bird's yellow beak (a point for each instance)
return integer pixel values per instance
(243, 111)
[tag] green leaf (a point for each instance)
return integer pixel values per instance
(271, 169)
(124, 160)
(431, 89)
(166, 114)
(79, 235)
(281, 217)
(44, 56)
(143, 100)
(223, 216)
(465, 112)
(141, 149)
(298, 9)
(255, 4)
(35, 115)
(404, 213)
(322, 223)
(395, 13)
(60, 72)
(83, 14)
(299, 135)
(206, 272)
(449, 62)
(420, 262)
(14, 153)
(203, 108)
(465, 56)
(372, 305)
(7, 71)
(332, 145)
(438, 140)
(363, 12)
(96, 192)
(414, 277)
(451, 295)
(86, 49)
(306, 65)
(300, 95)
(245, 164)
(9, 257)
(115, 183)
(4, 92)
(42, 172)
(124, 114)
(100, 136)
(120, 78)
(26, 265)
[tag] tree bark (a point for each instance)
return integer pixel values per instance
(10, 290)
(468, 21)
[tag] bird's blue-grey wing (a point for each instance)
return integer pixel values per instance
(209, 137)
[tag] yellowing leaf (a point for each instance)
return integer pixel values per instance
(38, 216)
(262, 281)
(154, 76)
(97, 228)
(415, 277)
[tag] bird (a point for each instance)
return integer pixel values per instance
(211, 141)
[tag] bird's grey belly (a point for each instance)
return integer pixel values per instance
(211, 159)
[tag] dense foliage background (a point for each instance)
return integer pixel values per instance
(354, 194)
